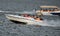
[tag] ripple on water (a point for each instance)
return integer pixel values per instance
(9, 28)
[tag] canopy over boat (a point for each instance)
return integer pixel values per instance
(48, 7)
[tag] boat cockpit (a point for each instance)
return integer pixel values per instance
(31, 16)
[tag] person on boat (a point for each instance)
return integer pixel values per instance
(29, 16)
(37, 18)
(25, 15)
(34, 17)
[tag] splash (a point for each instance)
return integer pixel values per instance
(53, 22)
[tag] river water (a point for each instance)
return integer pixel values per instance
(8, 28)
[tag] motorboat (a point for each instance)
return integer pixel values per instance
(48, 10)
(26, 20)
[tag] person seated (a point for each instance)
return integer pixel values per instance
(34, 17)
(25, 15)
(29, 16)
(41, 19)
(38, 19)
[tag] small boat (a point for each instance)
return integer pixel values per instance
(48, 10)
(28, 21)
(18, 18)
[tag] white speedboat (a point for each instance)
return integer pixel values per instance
(21, 19)
(28, 21)
(48, 10)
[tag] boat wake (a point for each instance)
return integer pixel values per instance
(53, 23)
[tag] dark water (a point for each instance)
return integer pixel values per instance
(8, 28)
